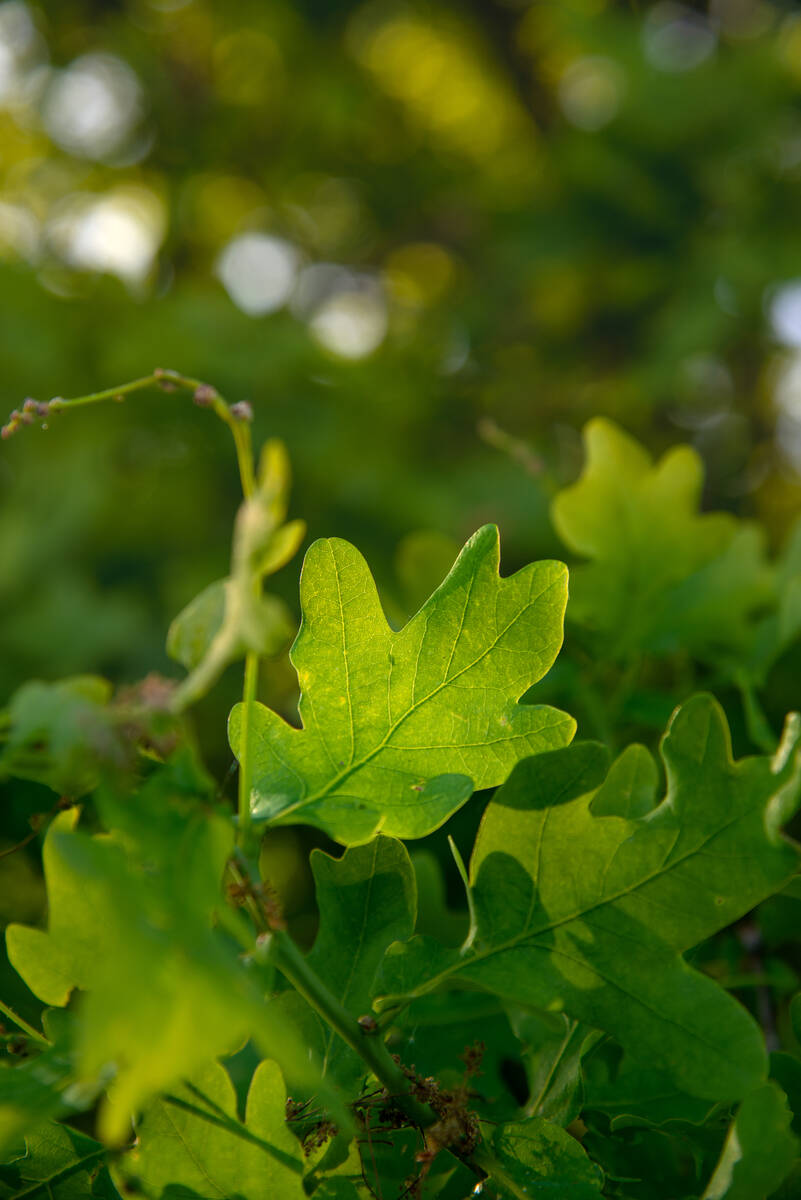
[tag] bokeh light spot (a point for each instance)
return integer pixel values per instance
(117, 234)
(93, 106)
(676, 38)
(784, 312)
(352, 322)
(590, 92)
(258, 271)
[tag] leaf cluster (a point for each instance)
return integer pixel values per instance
(595, 1011)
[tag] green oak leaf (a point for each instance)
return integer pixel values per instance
(633, 1093)
(662, 576)
(759, 1151)
(554, 1060)
(367, 900)
(591, 913)
(60, 734)
(41, 1087)
(59, 1164)
(541, 1160)
(231, 617)
(785, 1070)
(398, 728)
(191, 1142)
(131, 926)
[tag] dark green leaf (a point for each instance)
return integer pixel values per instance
(541, 1160)
(592, 913)
(367, 900)
(759, 1151)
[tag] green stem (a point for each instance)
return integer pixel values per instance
(244, 454)
(32, 1033)
(371, 1048)
(240, 431)
(245, 766)
(239, 426)
(368, 1045)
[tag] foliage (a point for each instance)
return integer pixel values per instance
(604, 1027)
(399, 728)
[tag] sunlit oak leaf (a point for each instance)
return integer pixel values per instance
(591, 913)
(190, 1141)
(131, 926)
(398, 728)
(662, 576)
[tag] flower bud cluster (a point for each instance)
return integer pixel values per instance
(31, 409)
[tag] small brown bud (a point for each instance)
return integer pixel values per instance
(243, 411)
(30, 406)
(205, 395)
(368, 1024)
(43, 409)
(6, 431)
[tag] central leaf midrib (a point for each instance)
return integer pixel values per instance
(354, 767)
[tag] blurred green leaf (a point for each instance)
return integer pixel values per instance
(231, 617)
(130, 925)
(663, 576)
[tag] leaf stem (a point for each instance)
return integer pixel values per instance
(371, 1048)
(238, 421)
(245, 765)
(368, 1045)
(204, 395)
(32, 1033)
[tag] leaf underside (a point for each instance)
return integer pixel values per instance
(398, 728)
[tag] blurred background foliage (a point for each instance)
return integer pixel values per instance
(426, 240)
